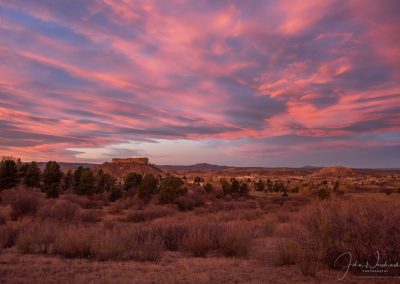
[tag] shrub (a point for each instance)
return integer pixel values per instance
(36, 237)
(120, 205)
(260, 185)
(227, 240)
(8, 236)
(81, 201)
(185, 203)
(286, 230)
(132, 181)
(115, 193)
(287, 252)
(149, 214)
(146, 245)
(234, 241)
(24, 202)
(208, 187)
(75, 242)
(147, 187)
(61, 210)
(170, 188)
(198, 197)
(244, 188)
(198, 240)
(360, 227)
(3, 218)
(323, 193)
(226, 186)
(90, 216)
(283, 217)
(127, 243)
(307, 261)
(269, 227)
(172, 235)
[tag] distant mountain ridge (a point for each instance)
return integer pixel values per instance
(195, 167)
(202, 168)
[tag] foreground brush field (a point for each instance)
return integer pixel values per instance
(258, 238)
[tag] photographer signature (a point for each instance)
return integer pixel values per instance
(346, 258)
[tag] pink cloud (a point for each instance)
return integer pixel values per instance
(97, 73)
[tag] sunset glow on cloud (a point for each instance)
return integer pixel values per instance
(264, 83)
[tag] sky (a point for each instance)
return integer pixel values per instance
(242, 83)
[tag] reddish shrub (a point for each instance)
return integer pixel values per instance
(198, 240)
(149, 214)
(80, 200)
(172, 235)
(287, 252)
(283, 217)
(227, 240)
(24, 202)
(90, 216)
(8, 236)
(185, 203)
(3, 218)
(61, 210)
(36, 237)
(360, 227)
(75, 242)
(234, 241)
(269, 227)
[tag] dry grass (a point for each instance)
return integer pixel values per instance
(36, 237)
(118, 207)
(287, 251)
(269, 226)
(245, 231)
(16, 268)
(358, 226)
(61, 211)
(225, 239)
(3, 218)
(148, 214)
(23, 202)
(90, 216)
(75, 242)
(8, 235)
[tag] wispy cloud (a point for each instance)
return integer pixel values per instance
(99, 73)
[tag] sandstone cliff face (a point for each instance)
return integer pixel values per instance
(119, 168)
(141, 161)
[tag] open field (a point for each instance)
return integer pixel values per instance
(258, 238)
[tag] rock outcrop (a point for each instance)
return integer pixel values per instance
(141, 161)
(334, 172)
(119, 167)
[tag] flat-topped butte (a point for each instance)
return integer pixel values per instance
(141, 161)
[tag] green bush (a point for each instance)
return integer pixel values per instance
(147, 187)
(323, 193)
(132, 181)
(208, 187)
(170, 189)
